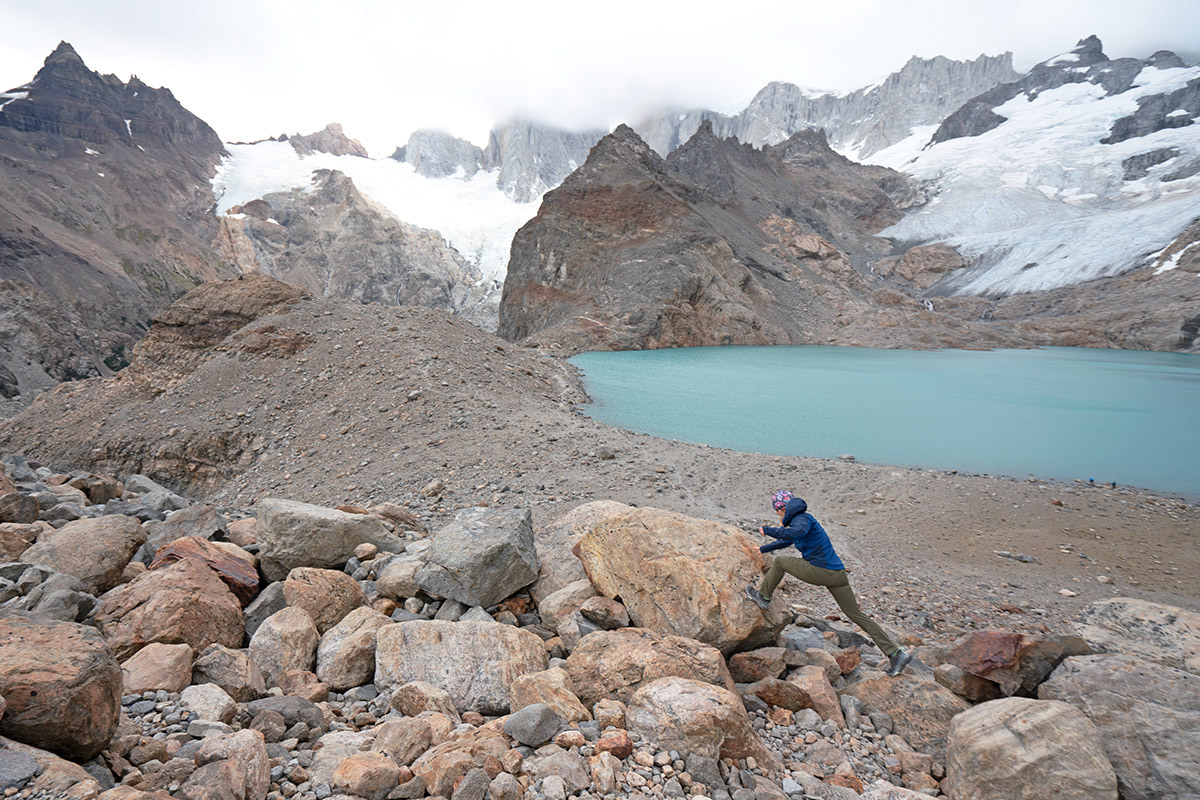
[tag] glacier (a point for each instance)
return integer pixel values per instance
(1038, 202)
(472, 214)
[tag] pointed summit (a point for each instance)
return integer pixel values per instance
(65, 54)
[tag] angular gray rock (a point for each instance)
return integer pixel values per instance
(1148, 717)
(1162, 633)
(346, 653)
(1017, 747)
(93, 550)
(533, 725)
(482, 557)
(475, 662)
(292, 534)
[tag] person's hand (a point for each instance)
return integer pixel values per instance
(760, 532)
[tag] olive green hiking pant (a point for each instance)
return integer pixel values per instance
(838, 584)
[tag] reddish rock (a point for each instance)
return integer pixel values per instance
(781, 694)
(185, 602)
(849, 781)
(303, 683)
(618, 744)
(61, 686)
(1013, 661)
(15, 539)
(966, 685)
(664, 567)
(158, 666)
(615, 664)
(754, 665)
(93, 550)
(815, 683)
(238, 572)
(848, 659)
(326, 595)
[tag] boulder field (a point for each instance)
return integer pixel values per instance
(157, 647)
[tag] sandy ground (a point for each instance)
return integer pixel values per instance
(383, 401)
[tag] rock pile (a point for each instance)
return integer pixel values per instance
(151, 647)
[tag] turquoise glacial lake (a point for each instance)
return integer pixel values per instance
(1129, 417)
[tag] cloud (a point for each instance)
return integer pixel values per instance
(383, 69)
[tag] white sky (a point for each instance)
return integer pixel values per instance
(256, 68)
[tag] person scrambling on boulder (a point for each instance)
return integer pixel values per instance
(820, 566)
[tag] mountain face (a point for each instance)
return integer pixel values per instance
(862, 122)
(104, 219)
(529, 157)
(333, 241)
(330, 139)
(1085, 168)
(720, 243)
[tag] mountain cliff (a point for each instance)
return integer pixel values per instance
(333, 241)
(720, 243)
(104, 219)
(330, 139)
(860, 122)
(529, 157)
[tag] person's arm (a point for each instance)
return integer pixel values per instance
(779, 544)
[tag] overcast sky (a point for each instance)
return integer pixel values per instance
(256, 68)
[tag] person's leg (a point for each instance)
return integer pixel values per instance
(798, 568)
(775, 575)
(844, 596)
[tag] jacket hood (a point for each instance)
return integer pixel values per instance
(793, 509)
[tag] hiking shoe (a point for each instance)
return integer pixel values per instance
(762, 602)
(897, 661)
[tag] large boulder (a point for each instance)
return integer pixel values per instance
(232, 670)
(697, 718)
(346, 653)
(93, 550)
(612, 665)
(19, 508)
(1148, 716)
(56, 777)
(61, 686)
(920, 709)
(475, 662)
(443, 764)
(292, 534)
(1017, 747)
(682, 576)
(326, 595)
(286, 641)
(560, 566)
(482, 557)
(233, 565)
(237, 763)
(185, 602)
(1167, 634)
(158, 666)
(199, 521)
(1013, 661)
(553, 688)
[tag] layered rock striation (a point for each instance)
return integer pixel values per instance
(103, 218)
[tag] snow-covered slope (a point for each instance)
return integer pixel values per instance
(1041, 200)
(474, 216)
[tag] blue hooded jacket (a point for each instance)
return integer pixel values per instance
(802, 530)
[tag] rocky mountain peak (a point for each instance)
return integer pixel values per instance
(64, 54)
(437, 154)
(330, 139)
